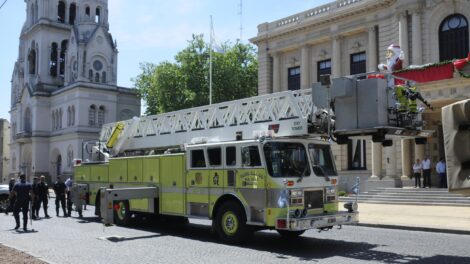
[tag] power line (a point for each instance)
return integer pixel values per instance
(3, 3)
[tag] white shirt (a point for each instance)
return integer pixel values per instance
(441, 167)
(426, 164)
(417, 168)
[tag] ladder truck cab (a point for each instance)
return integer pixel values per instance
(257, 163)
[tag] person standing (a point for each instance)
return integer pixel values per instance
(69, 184)
(11, 184)
(23, 191)
(59, 190)
(43, 197)
(441, 171)
(35, 207)
(426, 164)
(417, 167)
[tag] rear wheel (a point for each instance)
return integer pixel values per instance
(122, 214)
(231, 223)
(4, 203)
(290, 234)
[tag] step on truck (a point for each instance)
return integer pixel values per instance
(257, 163)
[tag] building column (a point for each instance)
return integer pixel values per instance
(416, 38)
(403, 35)
(372, 52)
(336, 57)
(276, 73)
(406, 159)
(376, 160)
(305, 67)
(265, 67)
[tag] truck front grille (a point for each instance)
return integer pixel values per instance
(313, 199)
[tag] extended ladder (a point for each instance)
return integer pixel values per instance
(285, 114)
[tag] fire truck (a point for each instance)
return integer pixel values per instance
(263, 162)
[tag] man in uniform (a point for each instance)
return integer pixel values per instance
(23, 191)
(35, 207)
(11, 184)
(43, 196)
(59, 190)
(69, 184)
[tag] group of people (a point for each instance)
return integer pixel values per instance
(424, 167)
(25, 196)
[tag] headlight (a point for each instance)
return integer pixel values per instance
(296, 193)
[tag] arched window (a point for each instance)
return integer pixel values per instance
(98, 15)
(87, 12)
(63, 51)
(27, 120)
(92, 115)
(61, 12)
(72, 13)
(97, 77)
(90, 75)
(101, 116)
(32, 61)
(60, 118)
(70, 156)
(59, 165)
(103, 77)
(53, 61)
(32, 14)
(53, 121)
(69, 116)
(453, 38)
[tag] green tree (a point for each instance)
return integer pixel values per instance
(183, 84)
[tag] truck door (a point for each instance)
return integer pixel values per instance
(197, 183)
(172, 169)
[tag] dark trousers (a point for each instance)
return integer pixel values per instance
(427, 178)
(69, 203)
(44, 201)
(36, 205)
(443, 179)
(11, 204)
(60, 198)
(21, 206)
(417, 176)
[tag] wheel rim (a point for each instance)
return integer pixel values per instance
(121, 213)
(230, 223)
(4, 204)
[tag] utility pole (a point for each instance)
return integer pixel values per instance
(240, 13)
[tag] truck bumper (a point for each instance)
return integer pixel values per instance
(317, 222)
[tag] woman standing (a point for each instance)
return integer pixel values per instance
(417, 167)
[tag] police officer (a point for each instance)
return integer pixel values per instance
(59, 190)
(43, 196)
(35, 207)
(23, 191)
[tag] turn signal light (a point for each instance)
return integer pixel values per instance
(290, 183)
(281, 224)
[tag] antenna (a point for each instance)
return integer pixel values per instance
(240, 13)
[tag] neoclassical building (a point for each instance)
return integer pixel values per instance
(64, 85)
(346, 37)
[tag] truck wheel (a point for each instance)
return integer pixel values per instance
(231, 223)
(290, 234)
(122, 214)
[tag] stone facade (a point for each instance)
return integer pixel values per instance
(4, 150)
(64, 85)
(335, 32)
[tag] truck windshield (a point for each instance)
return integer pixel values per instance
(321, 156)
(285, 159)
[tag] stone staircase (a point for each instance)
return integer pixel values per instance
(410, 196)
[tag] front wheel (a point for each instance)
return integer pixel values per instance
(290, 234)
(122, 213)
(230, 223)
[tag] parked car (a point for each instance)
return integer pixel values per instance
(3, 197)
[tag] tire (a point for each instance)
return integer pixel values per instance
(290, 234)
(230, 223)
(4, 203)
(122, 216)
(98, 205)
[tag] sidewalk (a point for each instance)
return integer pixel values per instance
(415, 217)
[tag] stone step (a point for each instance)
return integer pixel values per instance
(414, 194)
(399, 201)
(409, 197)
(410, 203)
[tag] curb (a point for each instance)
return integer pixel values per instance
(417, 228)
(27, 253)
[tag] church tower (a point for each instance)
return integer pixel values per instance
(64, 85)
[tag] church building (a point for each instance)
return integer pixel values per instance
(64, 86)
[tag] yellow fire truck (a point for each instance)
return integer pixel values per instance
(258, 163)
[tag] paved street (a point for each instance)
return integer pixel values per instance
(72, 240)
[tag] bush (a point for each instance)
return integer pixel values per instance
(341, 193)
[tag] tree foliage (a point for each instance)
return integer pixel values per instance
(170, 86)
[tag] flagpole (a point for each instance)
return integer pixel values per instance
(210, 64)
